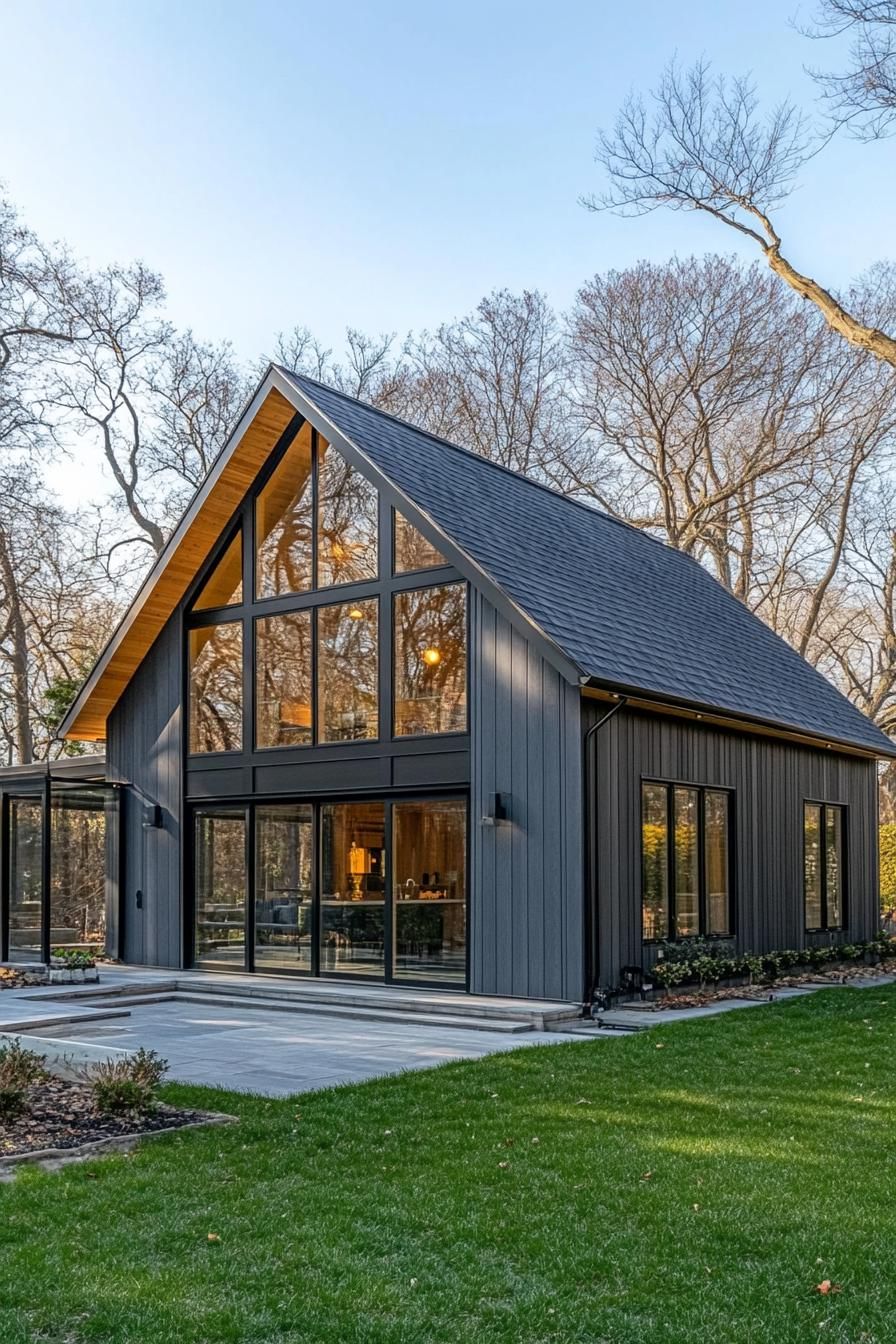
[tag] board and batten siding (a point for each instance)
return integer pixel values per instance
(143, 752)
(770, 781)
(526, 888)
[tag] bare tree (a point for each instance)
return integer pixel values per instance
(493, 381)
(702, 144)
(726, 417)
(54, 611)
(863, 95)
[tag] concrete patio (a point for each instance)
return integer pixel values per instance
(270, 1034)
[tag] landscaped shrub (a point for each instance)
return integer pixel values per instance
(888, 867)
(701, 963)
(131, 1084)
(19, 1069)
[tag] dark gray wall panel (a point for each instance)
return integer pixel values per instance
(771, 780)
(526, 905)
(431, 769)
(143, 751)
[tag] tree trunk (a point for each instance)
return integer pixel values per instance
(18, 656)
(876, 342)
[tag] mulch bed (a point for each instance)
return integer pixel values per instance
(61, 1115)
(10, 979)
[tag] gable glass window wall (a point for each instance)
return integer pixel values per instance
(325, 617)
(326, 623)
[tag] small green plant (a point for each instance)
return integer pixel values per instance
(73, 958)
(131, 1084)
(19, 1069)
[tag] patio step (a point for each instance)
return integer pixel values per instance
(12, 1024)
(156, 994)
(324, 996)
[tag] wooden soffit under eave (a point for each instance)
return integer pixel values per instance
(187, 551)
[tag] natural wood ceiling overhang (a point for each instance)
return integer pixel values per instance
(248, 448)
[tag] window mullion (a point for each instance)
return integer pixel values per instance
(672, 926)
(823, 865)
(701, 863)
(315, 505)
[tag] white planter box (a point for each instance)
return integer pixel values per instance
(60, 974)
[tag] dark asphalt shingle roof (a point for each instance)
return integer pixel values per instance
(625, 608)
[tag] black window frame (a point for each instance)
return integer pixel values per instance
(670, 785)
(252, 608)
(825, 926)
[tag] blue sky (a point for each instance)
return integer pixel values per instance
(379, 164)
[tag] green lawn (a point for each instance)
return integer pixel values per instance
(694, 1183)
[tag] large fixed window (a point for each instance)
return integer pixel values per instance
(283, 680)
(685, 861)
(347, 678)
(316, 521)
(347, 508)
(824, 866)
(412, 550)
(430, 660)
(216, 687)
(284, 522)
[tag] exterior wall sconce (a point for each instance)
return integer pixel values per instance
(496, 810)
(152, 817)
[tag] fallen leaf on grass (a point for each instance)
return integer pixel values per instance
(213, 1236)
(826, 1287)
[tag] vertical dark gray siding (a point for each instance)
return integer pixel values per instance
(526, 903)
(143, 751)
(771, 780)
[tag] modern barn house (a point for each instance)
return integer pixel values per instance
(385, 710)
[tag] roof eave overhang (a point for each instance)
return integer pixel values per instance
(263, 421)
(638, 697)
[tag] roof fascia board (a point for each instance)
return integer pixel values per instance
(716, 716)
(459, 558)
(253, 406)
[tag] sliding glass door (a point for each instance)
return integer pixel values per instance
(370, 889)
(429, 875)
(25, 878)
(220, 887)
(283, 887)
(353, 889)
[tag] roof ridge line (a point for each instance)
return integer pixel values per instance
(487, 461)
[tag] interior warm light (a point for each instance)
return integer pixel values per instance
(432, 657)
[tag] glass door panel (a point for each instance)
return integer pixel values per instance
(283, 904)
(429, 865)
(352, 904)
(220, 849)
(25, 879)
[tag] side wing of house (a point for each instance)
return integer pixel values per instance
(722, 825)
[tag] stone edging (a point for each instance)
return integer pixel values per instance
(53, 1158)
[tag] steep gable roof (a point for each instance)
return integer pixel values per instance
(613, 605)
